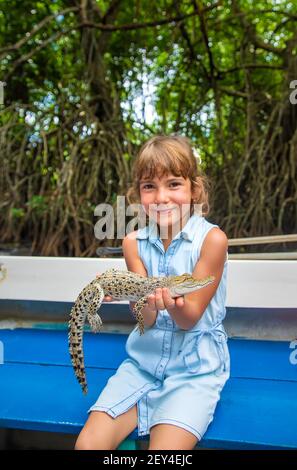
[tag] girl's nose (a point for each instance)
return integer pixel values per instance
(162, 196)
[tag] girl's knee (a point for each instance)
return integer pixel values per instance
(95, 439)
(86, 442)
(101, 432)
(171, 437)
(92, 436)
(82, 444)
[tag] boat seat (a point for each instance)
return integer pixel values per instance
(257, 410)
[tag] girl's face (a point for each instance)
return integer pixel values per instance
(167, 200)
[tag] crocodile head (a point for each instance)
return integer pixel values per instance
(185, 283)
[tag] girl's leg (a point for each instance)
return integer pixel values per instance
(170, 437)
(102, 432)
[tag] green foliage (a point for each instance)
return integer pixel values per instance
(17, 212)
(220, 77)
(38, 204)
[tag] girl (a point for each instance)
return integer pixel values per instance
(171, 381)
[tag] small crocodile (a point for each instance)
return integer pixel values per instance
(120, 285)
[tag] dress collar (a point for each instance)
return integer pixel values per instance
(151, 232)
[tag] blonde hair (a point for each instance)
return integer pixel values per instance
(172, 154)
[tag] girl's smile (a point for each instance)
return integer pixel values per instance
(161, 209)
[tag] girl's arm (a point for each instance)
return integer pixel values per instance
(135, 264)
(187, 311)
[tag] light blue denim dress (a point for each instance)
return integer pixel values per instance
(174, 376)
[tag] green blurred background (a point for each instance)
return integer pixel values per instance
(87, 82)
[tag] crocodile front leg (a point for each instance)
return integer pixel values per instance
(138, 315)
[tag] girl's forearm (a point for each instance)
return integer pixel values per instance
(186, 316)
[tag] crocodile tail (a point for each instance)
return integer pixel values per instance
(75, 341)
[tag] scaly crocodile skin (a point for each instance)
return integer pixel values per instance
(120, 285)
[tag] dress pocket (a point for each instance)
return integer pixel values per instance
(207, 352)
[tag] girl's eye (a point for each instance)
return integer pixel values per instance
(147, 186)
(175, 183)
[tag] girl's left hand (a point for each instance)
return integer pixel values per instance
(165, 301)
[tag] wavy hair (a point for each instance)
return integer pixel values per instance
(169, 154)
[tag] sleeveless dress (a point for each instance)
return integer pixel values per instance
(174, 376)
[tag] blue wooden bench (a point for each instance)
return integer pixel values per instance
(258, 407)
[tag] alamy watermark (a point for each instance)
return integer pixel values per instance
(1, 353)
(163, 215)
(2, 85)
(293, 94)
(293, 355)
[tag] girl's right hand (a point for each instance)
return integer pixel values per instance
(149, 307)
(151, 303)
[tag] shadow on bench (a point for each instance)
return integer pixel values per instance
(257, 410)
